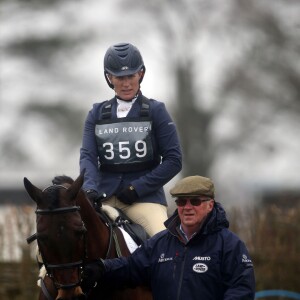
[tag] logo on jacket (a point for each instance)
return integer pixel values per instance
(200, 268)
(163, 258)
(245, 259)
(202, 258)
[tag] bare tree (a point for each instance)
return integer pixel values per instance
(258, 79)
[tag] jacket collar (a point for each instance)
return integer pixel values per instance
(215, 221)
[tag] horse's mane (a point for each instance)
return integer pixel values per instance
(62, 179)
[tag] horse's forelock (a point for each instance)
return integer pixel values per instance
(52, 197)
(62, 179)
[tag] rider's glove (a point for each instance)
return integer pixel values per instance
(92, 196)
(93, 272)
(128, 195)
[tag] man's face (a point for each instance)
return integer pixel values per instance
(192, 216)
(126, 87)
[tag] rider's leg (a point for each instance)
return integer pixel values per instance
(149, 215)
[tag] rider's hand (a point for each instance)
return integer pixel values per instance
(93, 272)
(92, 196)
(128, 195)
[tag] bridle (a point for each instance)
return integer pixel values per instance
(50, 268)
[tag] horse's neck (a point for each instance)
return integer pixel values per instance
(97, 231)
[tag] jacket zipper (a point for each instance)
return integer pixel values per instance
(181, 274)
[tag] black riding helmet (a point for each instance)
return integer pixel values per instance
(122, 59)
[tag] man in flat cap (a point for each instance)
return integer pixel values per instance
(196, 257)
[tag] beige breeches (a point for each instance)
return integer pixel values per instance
(149, 215)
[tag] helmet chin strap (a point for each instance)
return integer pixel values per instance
(108, 81)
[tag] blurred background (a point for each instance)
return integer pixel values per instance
(229, 74)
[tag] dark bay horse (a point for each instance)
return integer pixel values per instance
(70, 234)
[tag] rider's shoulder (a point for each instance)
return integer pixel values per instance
(156, 105)
(98, 105)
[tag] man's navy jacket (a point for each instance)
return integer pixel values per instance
(148, 183)
(212, 265)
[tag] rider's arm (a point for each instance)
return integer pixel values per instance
(88, 151)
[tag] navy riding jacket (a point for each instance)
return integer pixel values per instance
(212, 265)
(148, 183)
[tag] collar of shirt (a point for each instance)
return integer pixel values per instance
(184, 234)
(124, 107)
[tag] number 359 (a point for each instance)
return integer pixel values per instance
(124, 151)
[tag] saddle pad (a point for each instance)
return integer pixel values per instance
(42, 275)
(113, 214)
(131, 244)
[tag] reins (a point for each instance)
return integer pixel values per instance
(112, 234)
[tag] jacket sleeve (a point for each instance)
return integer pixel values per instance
(238, 272)
(167, 141)
(88, 152)
(129, 271)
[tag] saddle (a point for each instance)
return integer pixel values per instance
(119, 219)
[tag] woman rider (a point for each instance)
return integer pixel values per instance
(130, 147)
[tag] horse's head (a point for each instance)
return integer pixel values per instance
(60, 234)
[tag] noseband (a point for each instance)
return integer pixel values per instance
(51, 267)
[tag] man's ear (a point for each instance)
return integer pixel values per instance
(211, 204)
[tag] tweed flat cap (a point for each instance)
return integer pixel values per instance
(193, 186)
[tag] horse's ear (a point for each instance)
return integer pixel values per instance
(34, 192)
(74, 189)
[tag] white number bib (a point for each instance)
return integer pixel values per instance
(124, 143)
